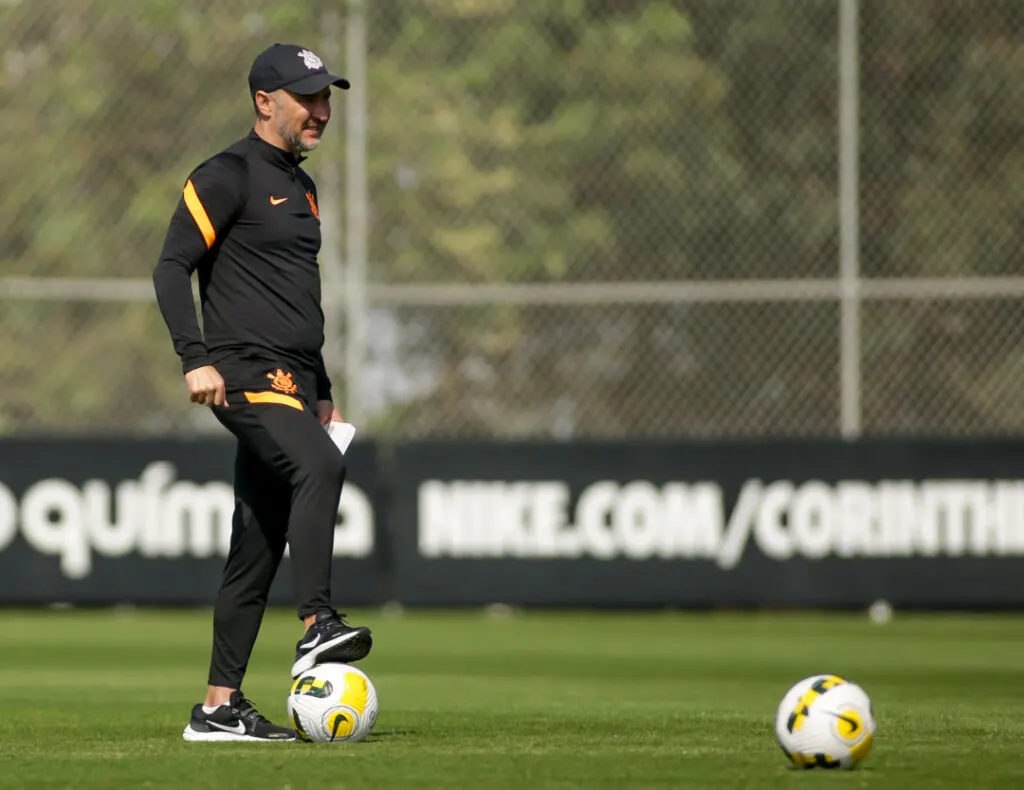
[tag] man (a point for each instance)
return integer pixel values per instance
(248, 221)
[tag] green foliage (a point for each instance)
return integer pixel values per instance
(941, 198)
(570, 142)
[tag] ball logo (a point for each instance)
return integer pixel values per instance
(850, 728)
(849, 725)
(340, 724)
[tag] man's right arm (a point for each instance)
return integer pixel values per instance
(213, 196)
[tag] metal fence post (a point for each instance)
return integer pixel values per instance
(356, 230)
(329, 188)
(849, 225)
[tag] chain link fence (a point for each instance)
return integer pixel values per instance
(586, 218)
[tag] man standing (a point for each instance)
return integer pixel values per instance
(248, 221)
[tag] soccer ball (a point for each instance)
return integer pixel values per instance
(331, 703)
(825, 721)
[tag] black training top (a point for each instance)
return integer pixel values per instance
(248, 221)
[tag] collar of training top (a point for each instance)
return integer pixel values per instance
(275, 155)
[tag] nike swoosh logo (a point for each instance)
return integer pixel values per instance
(313, 643)
(237, 728)
(277, 201)
(854, 724)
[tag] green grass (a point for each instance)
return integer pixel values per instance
(553, 700)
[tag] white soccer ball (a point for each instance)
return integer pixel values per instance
(825, 721)
(331, 703)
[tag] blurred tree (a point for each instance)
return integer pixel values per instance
(942, 164)
(586, 140)
(114, 105)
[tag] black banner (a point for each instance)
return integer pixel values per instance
(829, 523)
(923, 524)
(149, 522)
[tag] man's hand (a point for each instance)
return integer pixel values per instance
(206, 387)
(326, 413)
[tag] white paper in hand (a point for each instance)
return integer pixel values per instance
(341, 434)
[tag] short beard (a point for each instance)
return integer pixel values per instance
(295, 142)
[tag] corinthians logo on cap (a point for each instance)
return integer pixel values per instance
(312, 62)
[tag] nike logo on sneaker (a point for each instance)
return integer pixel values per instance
(237, 728)
(311, 644)
(277, 201)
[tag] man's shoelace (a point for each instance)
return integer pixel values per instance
(338, 616)
(246, 710)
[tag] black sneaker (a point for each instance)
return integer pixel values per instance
(330, 639)
(236, 721)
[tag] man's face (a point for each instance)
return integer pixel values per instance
(301, 119)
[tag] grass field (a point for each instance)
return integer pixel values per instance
(553, 700)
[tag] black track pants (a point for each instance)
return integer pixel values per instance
(288, 481)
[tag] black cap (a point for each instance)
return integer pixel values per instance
(293, 68)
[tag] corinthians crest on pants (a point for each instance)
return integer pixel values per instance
(282, 382)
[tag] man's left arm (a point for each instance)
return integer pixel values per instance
(324, 401)
(323, 381)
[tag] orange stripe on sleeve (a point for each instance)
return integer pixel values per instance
(195, 207)
(273, 397)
